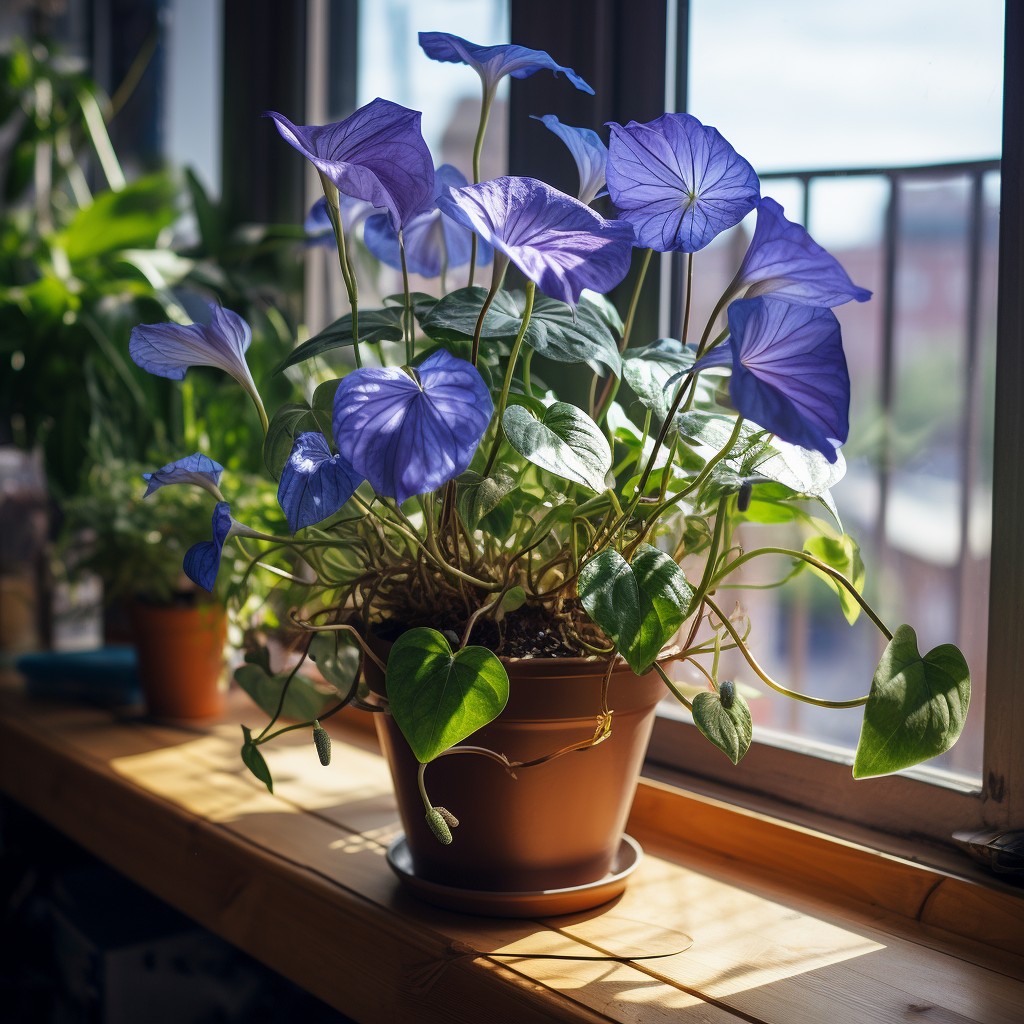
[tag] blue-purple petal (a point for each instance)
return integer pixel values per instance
(376, 154)
(169, 349)
(433, 241)
(202, 560)
(556, 241)
(492, 63)
(409, 436)
(785, 261)
(314, 483)
(789, 371)
(678, 182)
(196, 469)
(317, 224)
(589, 152)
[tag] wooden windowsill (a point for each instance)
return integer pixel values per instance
(786, 925)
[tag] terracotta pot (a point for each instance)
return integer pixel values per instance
(181, 659)
(554, 826)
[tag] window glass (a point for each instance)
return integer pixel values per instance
(392, 66)
(887, 87)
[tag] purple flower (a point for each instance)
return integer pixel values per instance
(196, 469)
(557, 242)
(433, 241)
(314, 483)
(589, 152)
(492, 63)
(678, 182)
(410, 431)
(202, 560)
(784, 260)
(169, 349)
(788, 371)
(317, 224)
(376, 154)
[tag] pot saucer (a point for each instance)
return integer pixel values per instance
(542, 903)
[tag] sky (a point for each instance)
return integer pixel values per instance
(812, 82)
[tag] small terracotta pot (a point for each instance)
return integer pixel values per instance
(181, 659)
(555, 825)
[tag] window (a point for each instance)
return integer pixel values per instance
(926, 241)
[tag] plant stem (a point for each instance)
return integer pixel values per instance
(821, 567)
(767, 679)
(497, 273)
(351, 284)
(611, 385)
(478, 148)
(677, 693)
(507, 385)
(407, 328)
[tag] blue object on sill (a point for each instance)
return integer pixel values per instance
(105, 675)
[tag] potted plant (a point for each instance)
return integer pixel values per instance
(133, 544)
(511, 564)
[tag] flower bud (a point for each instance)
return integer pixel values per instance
(449, 818)
(322, 742)
(439, 826)
(743, 498)
(727, 693)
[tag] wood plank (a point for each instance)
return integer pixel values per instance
(848, 874)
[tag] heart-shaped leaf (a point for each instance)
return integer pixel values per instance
(439, 698)
(480, 495)
(729, 728)
(374, 325)
(647, 371)
(640, 605)
(916, 708)
(567, 442)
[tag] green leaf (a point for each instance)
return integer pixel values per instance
(647, 370)
(323, 400)
(303, 702)
(374, 325)
(556, 330)
(640, 606)
(803, 471)
(254, 761)
(730, 729)
(208, 218)
(129, 219)
(287, 423)
(478, 496)
(439, 698)
(567, 442)
(916, 708)
(422, 303)
(337, 657)
(843, 555)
